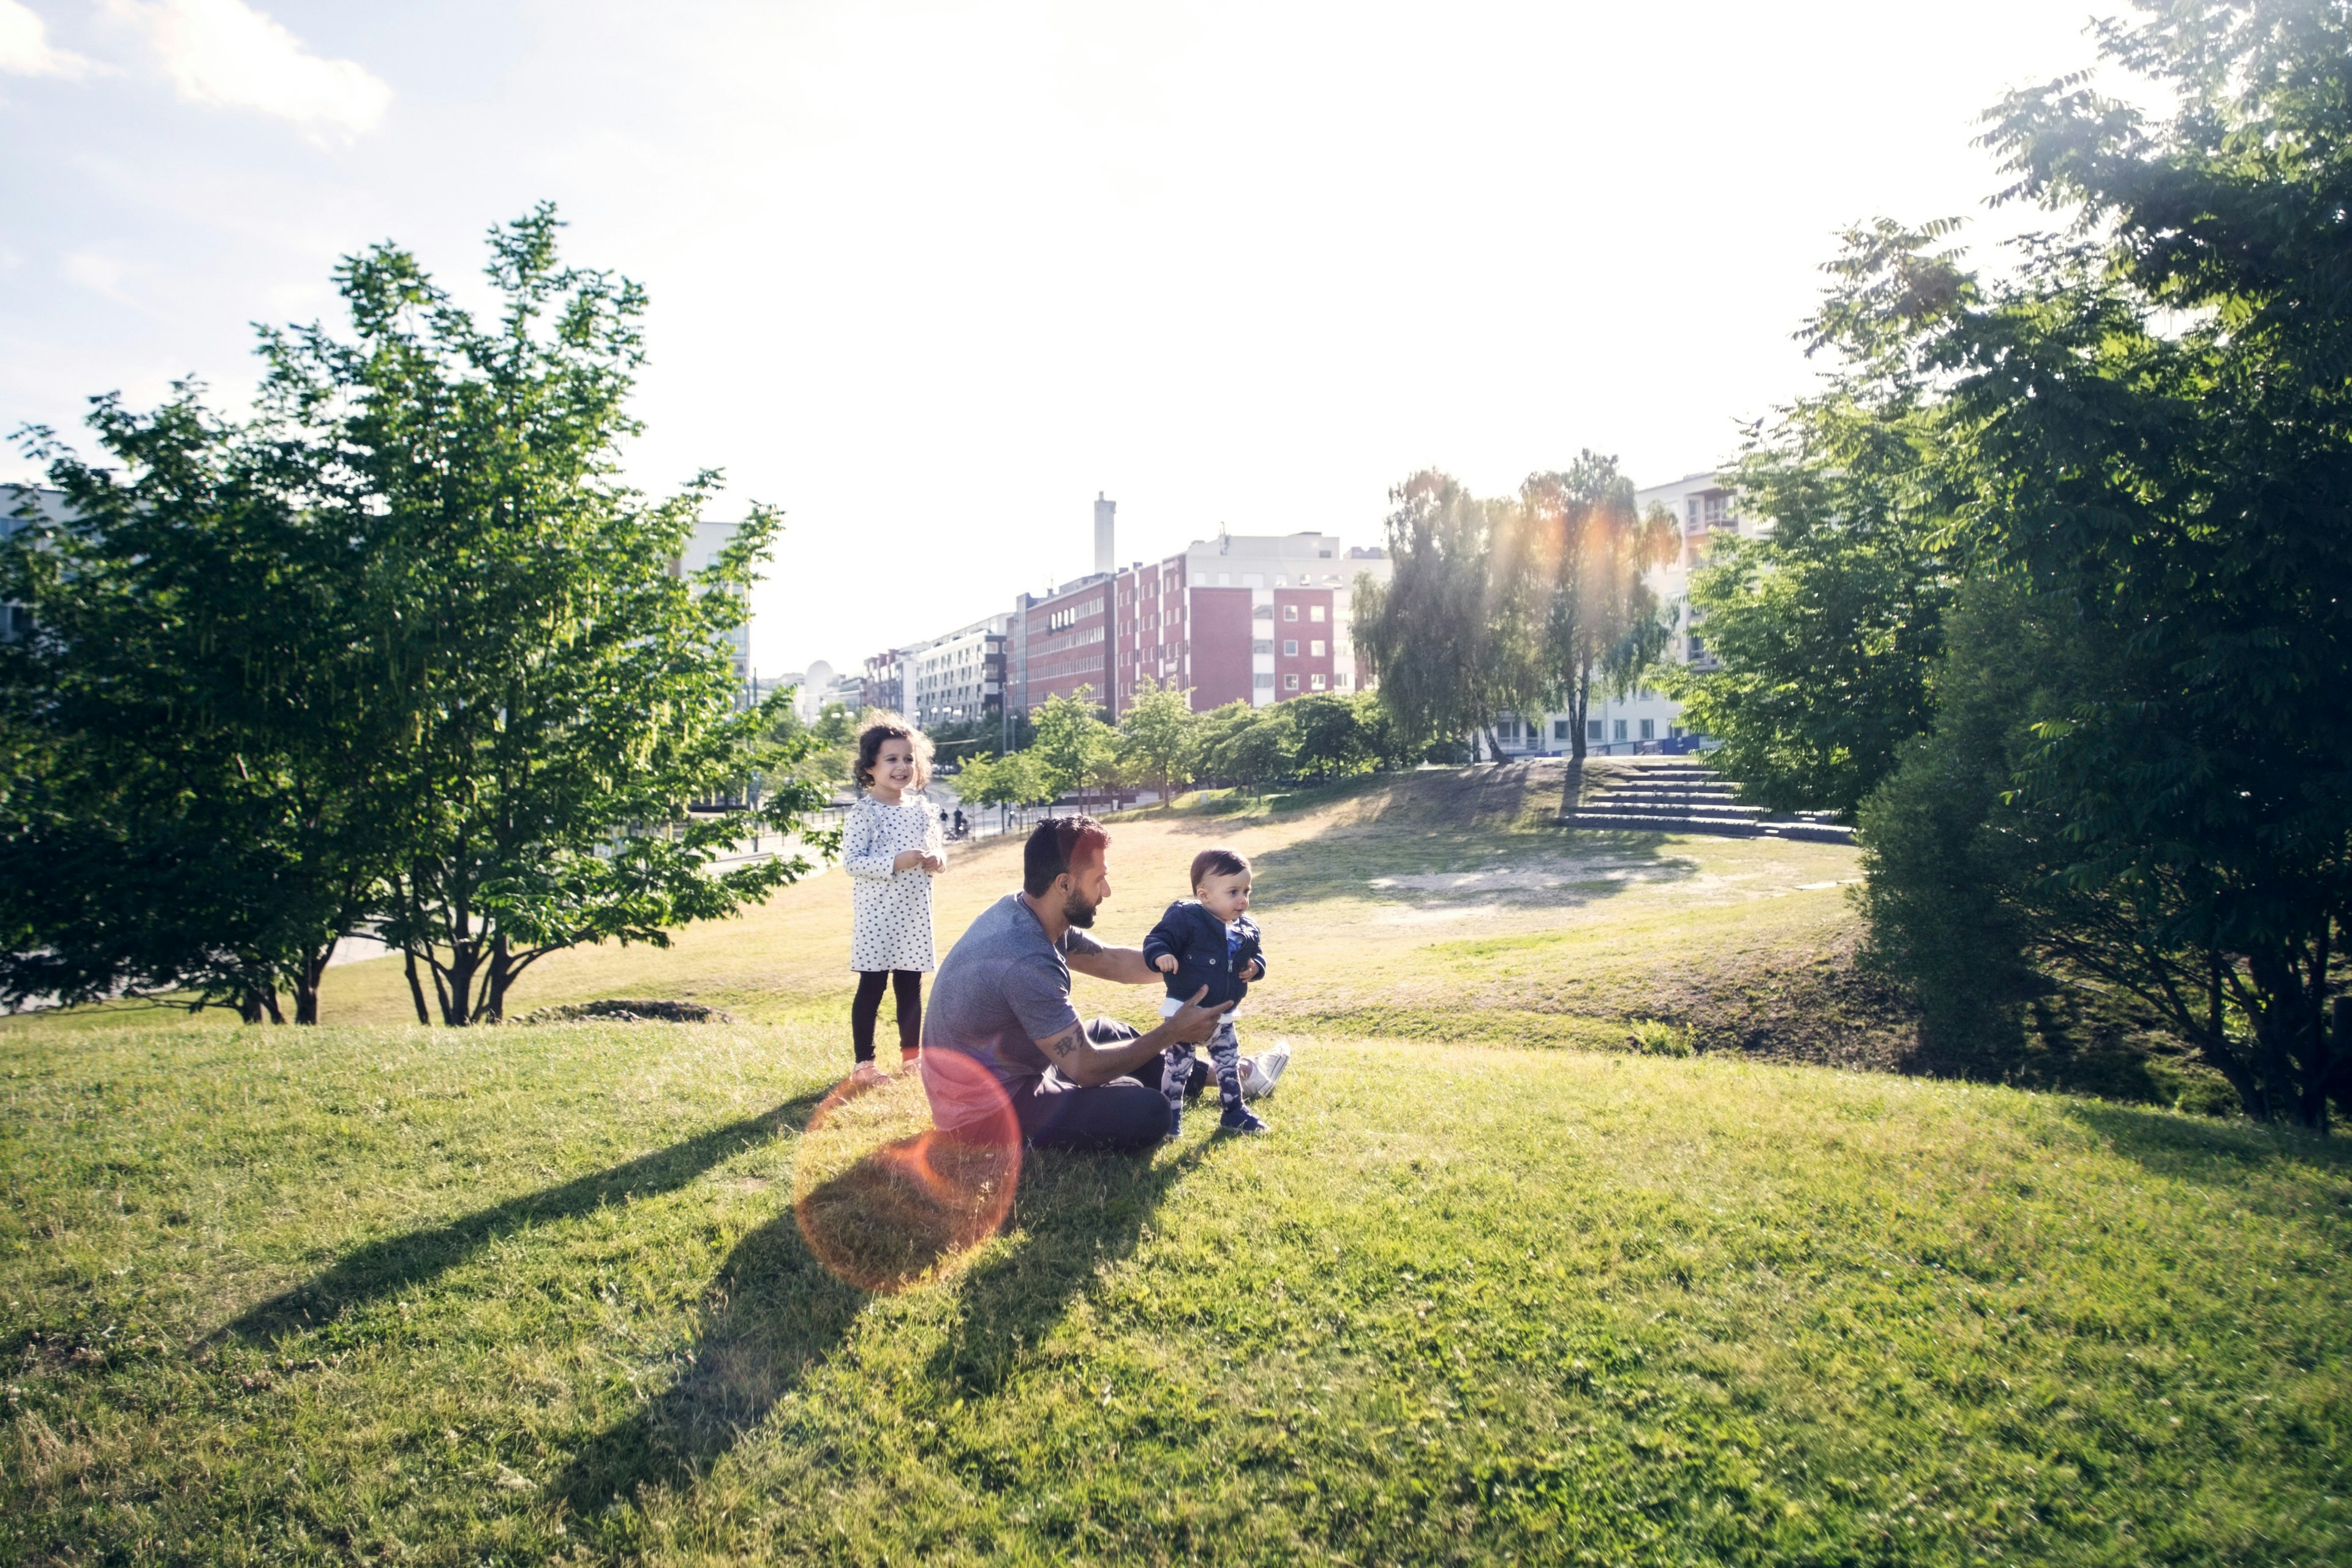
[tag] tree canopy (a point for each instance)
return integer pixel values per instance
(2138, 442)
(399, 650)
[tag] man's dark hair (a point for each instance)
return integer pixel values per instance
(1217, 863)
(1054, 844)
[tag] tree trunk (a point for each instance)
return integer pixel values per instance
(1572, 790)
(306, 984)
(454, 982)
(501, 975)
(2318, 1065)
(416, 990)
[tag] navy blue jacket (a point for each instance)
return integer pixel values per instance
(1197, 938)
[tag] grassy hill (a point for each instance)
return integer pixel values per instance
(372, 1292)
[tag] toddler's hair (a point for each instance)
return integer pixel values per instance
(869, 749)
(1217, 863)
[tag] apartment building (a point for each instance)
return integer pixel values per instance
(957, 678)
(1256, 619)
(883, 685)
(709, 540)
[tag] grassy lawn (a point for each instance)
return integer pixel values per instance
(372, 1292)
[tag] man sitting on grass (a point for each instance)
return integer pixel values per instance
(1002, 998)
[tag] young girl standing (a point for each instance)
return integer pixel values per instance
(891, 848)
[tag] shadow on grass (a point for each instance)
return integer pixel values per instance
(2211, 1152)
(381, 1268)
(1487, 827)
(778, 1313)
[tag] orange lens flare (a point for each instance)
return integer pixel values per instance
(886, 1200)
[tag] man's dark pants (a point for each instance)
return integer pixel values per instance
(1126, 1113)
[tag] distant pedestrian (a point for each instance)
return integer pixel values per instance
(891, 849)
(961, 826)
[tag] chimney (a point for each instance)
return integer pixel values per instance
(1106, 556)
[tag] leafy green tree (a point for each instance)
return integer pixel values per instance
(1828, 628)
(195, 805)
(2149, 424)
(1072, 741)
(1332, 737)
(1448, 637)
(563, 691)
(1377, 736)
(1253, 747)
(1014, 780)
(1586, 549)
(1159, 737)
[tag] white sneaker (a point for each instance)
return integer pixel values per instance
(1266, 1070)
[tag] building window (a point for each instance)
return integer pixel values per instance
(1263, 677)
(1314, 614)
(1697, 648)
(1290, 683)
(1593, 728)
(1316, 681)
(1289, 612)
(1619, 734)
(1649, 729)
(1290, 648)
(1316, 647)
(1264, 645)
(1560, 728)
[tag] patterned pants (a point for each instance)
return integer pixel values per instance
(1178, 1063)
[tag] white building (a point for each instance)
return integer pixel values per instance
(710, 539)
(957, 678)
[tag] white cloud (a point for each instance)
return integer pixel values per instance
(225, 53)
(24, 46)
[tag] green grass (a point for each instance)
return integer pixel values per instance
(371, 1292)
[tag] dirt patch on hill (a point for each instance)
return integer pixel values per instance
(1818, 1006)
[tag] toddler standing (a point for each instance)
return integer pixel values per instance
(891, 848)
(1209, 940)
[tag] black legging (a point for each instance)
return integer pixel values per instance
(907, 984)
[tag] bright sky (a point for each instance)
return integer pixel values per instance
(929, 276)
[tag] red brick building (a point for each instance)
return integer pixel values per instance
(1238, 618)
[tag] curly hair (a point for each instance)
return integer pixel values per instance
(869, 749)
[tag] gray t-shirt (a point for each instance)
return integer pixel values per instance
(1001, 988)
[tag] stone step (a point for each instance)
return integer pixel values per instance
(1668, 792)
(1720, 827)
(1673, 808)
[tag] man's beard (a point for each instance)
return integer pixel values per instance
(1077, 911)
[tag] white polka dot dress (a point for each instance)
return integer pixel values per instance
(891, 919)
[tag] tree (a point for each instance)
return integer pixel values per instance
(1586, 548)
(2148, 426)
(1252, 747)
(1072, 741)
(1828, 628)
(196, 804)
(566, 690)
(1014, 779)
(1447, 636)
(1159, 736)
(1333, 741)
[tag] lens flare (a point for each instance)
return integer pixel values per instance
(885, 1199)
